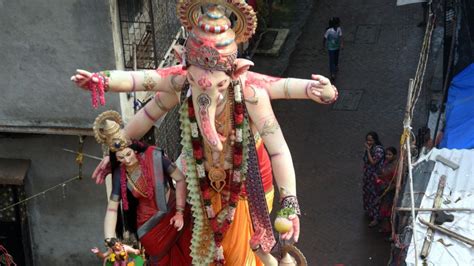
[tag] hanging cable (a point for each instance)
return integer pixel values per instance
(42, 193)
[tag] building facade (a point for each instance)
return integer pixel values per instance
(42, 43)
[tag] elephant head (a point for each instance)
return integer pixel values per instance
(209, 90)
(210, 56)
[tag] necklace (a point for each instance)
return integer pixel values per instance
(133, 178)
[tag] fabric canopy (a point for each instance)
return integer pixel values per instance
(459, 129)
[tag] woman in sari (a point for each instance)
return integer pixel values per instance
(373, 161)
(143, 176)
(386, 188)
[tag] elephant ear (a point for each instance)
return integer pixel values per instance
(241, 66)
(179, 51)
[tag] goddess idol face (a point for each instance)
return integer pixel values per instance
(127, 157)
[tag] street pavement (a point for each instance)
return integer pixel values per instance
(381, 46)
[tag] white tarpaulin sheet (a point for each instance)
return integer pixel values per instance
(407, 2)
(458, 193)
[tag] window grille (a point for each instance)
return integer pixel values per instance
(136, 26)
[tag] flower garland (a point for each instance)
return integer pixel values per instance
(221, 221)
(202, 248)
(98, 88)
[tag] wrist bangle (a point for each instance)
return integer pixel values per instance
(256, 248)
(292, 203)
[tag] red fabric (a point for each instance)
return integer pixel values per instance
(265, 166)
(164, 240)
(253, 3)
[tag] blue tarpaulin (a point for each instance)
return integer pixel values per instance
(459, 129)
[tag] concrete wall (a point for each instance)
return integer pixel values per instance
(42, 43)
(64, 224)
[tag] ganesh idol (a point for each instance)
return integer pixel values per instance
(233, 147)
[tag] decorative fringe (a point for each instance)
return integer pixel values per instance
(202, 244)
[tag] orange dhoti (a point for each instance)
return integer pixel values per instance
(236, 240)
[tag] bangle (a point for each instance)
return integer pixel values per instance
(148, 115)
(159, 103)
(292, 203)
(175, 85)
(179, 208)
(133, 82)
(256, 248)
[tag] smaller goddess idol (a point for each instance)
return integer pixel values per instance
(143, 176)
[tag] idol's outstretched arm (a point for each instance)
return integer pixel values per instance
(318, 88)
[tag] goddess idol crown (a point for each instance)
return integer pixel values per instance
(213, 39)
(107, 131)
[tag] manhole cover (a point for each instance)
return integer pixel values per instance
(348, 100)
(367, 34)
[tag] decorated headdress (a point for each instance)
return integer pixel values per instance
(213, 39)
(107, 130)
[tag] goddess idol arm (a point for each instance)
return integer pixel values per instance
(179, 178)
(318, 88)
(282, 164)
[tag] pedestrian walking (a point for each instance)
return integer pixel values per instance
(373, 160)
(333, 42)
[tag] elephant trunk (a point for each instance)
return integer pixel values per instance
(205, 116)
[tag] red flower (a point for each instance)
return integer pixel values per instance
(197, 153)
(206, 194)
(239, 118)
(214, 225)
(239, 108)
(238, 149)
(237, 160)
(196, 144)
(191, 109)
(225, 227)
(234, 197)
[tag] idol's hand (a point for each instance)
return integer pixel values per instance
(321, 90)
(295, 229)
(95, 250)
(256, 238)
(82, 78)
(102, 170)
(177, 221)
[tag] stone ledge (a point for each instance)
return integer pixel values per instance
(277, 44)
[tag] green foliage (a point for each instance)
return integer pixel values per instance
(285, 212)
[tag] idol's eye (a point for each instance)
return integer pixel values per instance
(129, 153)
(222, 83)
(190, 77)
(120, 157)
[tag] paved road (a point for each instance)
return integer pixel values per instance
(380, 55)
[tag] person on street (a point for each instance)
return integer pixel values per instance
(386, 188)
(373, 160)
(333, 42)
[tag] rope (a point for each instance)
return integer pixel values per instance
(63, 184)
(6, 258)
(412, 197)
(414, 91)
